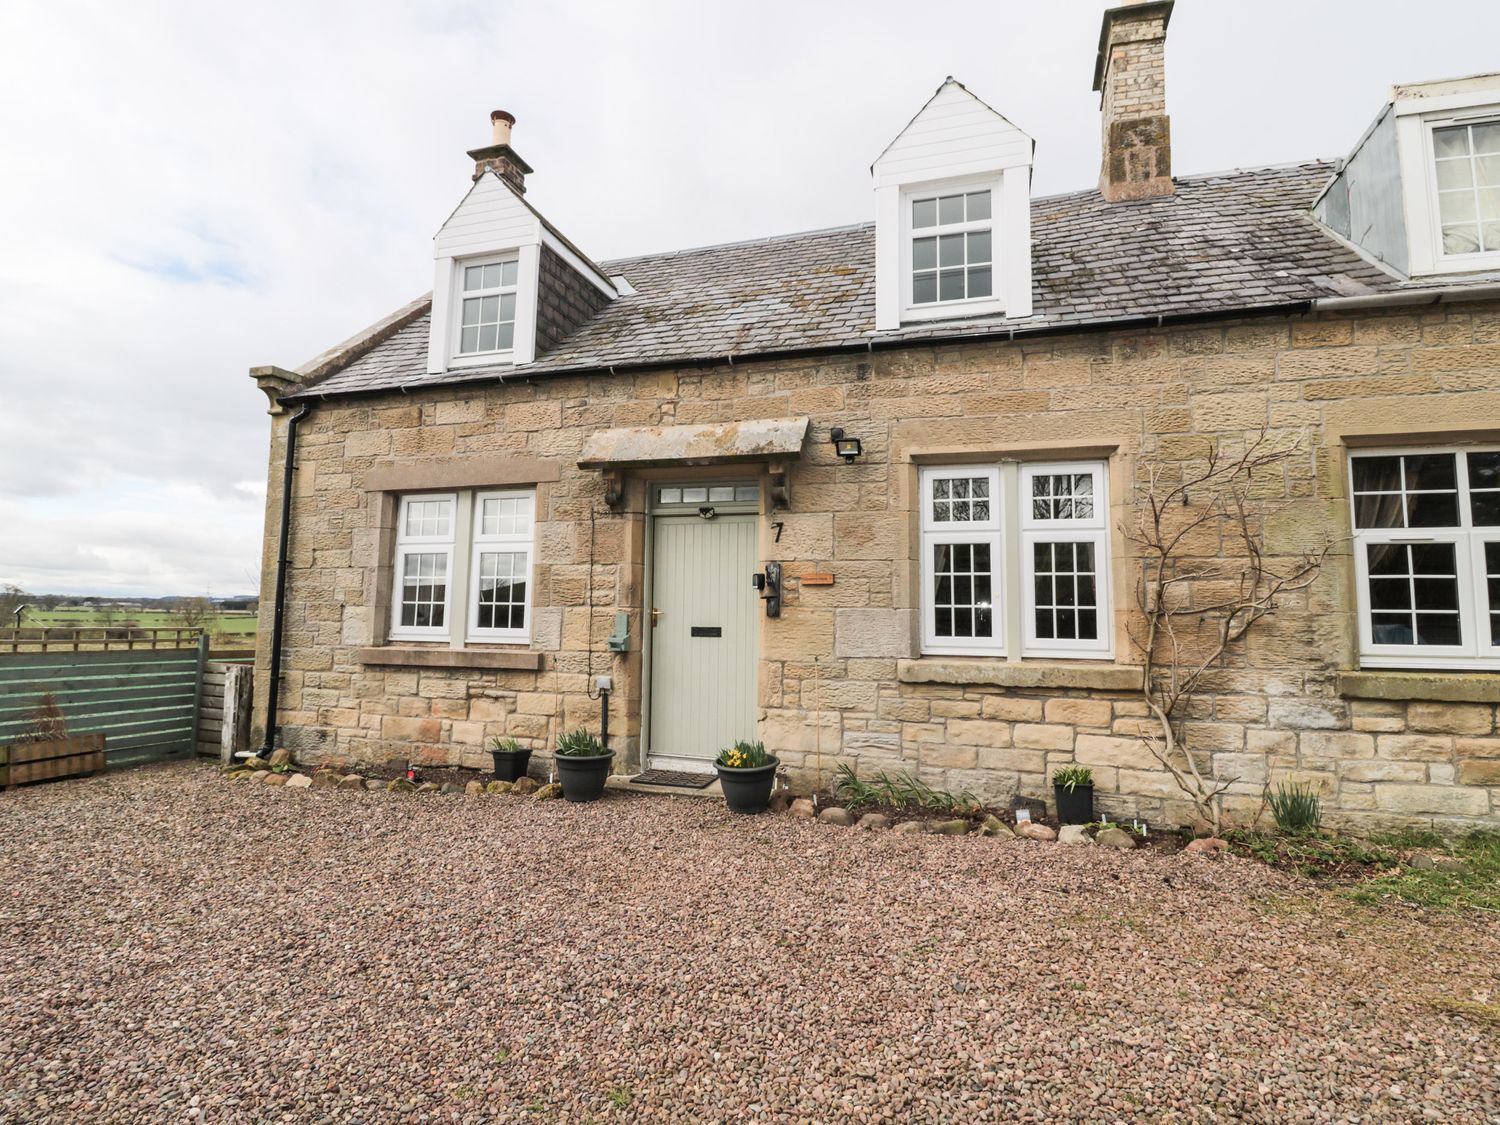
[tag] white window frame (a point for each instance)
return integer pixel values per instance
(968, 306)
(407, 544)
(971, 531)
(1011, 532)
(456, 315)
(1450, 263)
(521, 543)
(1477, 652)
(1416, 118)
(1093, 530)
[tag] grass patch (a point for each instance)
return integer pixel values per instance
(1478, 888)
(1314, 856)
(1485, 1013)
(1378, 868)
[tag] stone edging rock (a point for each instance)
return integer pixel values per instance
(279, 771)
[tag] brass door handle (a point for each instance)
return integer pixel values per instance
(655, 616)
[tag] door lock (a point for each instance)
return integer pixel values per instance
(655, 616)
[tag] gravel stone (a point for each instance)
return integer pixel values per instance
(993, 826)
(275, 778)
(1074, 834)
(298, 781)
(179, 949)
(280, 757)
(911, 828)
(802, 808)
(473, 788)
(351, 781)
(549, 792)
(873, 822)
(841, 818)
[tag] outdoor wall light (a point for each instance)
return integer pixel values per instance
(846, 447)
(707, 512)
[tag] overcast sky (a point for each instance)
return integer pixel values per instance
(188, 189)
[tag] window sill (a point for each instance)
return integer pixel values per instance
(399, 656)
(1022, 674)
(1398, 687)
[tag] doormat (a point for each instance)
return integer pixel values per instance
(687, 779)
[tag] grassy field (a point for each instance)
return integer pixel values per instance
(239, 627)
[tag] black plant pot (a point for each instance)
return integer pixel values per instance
(510, 765)
(583, 778)
(748, 790)
(1076, 805)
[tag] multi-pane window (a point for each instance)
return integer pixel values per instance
(1063, 548)
(487, 309)
(424, 565)
(1054, 559)
(1467, 159)
(952, 248)
(1427, 556)
(501, 570)
(463, 545)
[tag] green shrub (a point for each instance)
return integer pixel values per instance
(506, 745)
(745, 756)
(579, 744)
(900, 790)
(1296, 808)
(1070, 777)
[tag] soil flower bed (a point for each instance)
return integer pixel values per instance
(183, 948)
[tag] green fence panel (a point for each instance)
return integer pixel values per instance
(145, 702)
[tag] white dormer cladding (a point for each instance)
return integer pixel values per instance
(954, 186)
(493, 226)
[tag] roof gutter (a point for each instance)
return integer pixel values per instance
(278, 617)
(1447, 295)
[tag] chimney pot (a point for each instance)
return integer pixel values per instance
(1130, 76)
(498, 156)
(500, 126)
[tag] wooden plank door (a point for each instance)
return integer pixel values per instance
(705, 640)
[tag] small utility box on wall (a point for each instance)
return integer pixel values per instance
(619, 640)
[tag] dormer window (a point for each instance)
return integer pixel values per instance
(487, 310)
(1466, 161)
(952, 248)
(953, 216)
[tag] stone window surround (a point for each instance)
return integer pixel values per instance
(386, 483)
(1352, 427)
(1117, 453)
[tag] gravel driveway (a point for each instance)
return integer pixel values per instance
(177, 947)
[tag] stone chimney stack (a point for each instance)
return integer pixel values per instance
(499, 157)
(1130, 75)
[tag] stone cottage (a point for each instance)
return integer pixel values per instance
(867, 494)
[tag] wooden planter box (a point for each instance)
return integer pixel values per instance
(21, 762)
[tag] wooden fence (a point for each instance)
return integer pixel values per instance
(150, 704)
(88, 638)
(224, 709)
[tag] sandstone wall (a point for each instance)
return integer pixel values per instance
(841, 677)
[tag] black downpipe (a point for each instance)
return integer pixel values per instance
(279, 613)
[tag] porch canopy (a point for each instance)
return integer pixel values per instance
(720, 443)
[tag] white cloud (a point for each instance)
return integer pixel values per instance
(189, 189)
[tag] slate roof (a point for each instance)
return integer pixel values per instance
(1221, 244)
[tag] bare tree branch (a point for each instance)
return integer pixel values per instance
(1188, 631)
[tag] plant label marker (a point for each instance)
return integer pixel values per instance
(1023, 816)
